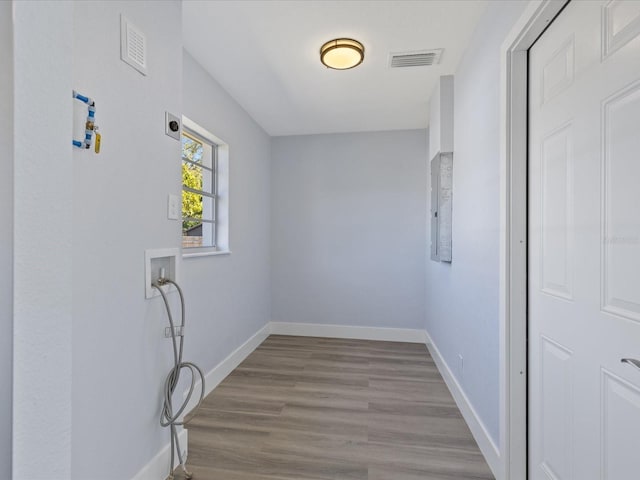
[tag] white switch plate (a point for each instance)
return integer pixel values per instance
(173, 207)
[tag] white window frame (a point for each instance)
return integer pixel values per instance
(220, 192)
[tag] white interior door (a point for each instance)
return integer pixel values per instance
(584, 244)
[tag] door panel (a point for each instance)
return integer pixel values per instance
(557, 74)
(620, 420)
(621, 255)
(621, 23)
(584, 244)
(557, 213)
(556, 418)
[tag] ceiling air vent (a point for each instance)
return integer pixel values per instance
(415, 59)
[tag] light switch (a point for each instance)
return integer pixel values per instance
(173, 208)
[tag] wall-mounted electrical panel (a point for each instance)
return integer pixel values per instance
(441, 206)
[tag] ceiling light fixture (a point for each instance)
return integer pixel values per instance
(342, 53)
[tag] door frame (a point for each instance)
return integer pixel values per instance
(537, 16)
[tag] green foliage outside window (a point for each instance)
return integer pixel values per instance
(191, 177)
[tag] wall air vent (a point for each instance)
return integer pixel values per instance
(133, 46)
(415, 59)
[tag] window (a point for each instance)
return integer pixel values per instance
(198, 191)
(205, 205)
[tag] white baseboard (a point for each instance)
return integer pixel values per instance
(480, 433)
(345, 331)
(157, 468)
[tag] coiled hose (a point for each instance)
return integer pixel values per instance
(168, 418)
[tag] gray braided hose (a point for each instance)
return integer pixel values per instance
(168, 418)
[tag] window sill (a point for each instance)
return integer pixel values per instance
(211, 253)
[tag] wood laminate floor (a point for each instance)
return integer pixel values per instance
(302, 408)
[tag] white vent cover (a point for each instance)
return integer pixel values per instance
(415, 59)
(133, 46)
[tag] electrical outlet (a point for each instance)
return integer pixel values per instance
(172, 125)
(461, 358)
(173, 207)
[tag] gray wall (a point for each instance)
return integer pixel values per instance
(120, 357)
(348, 229)
(229, 295)
(43, 221)
(87, 303)
(462, 297)
(6, 235)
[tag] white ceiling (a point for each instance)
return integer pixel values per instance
(266, 55)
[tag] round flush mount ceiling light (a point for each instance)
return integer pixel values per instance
(342, 53)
